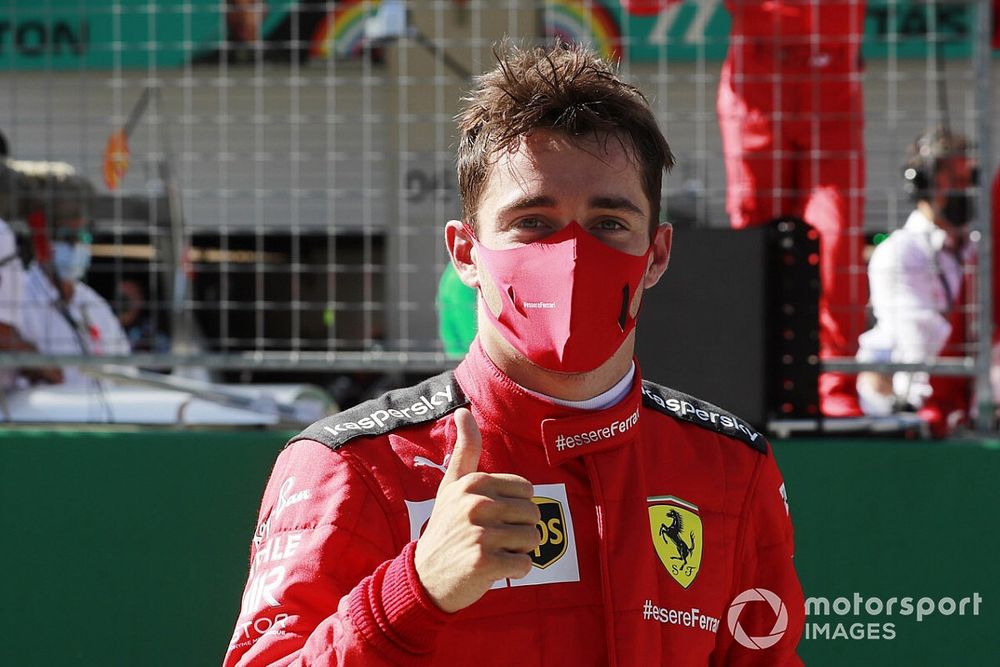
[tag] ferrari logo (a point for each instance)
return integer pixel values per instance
(677, 537)
(552, 531)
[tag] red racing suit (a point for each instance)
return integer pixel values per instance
(792, 122)
(664, 530)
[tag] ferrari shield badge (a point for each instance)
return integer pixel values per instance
(675, 527)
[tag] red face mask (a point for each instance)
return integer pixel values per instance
(565, 300)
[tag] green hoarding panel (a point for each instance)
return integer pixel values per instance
(130, 548)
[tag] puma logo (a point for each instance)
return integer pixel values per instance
(422, 461)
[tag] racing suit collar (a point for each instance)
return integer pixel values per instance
(564, 432)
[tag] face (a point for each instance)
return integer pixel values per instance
(952, 180)
(244, 18)
(541, 186)
(955, 173)
(70, 250)
(548, 181)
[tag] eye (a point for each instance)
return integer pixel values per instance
(529, 222)
(609, 225)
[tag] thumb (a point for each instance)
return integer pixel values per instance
(468, 447)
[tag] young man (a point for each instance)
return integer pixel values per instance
(916, 278)
(542, 502)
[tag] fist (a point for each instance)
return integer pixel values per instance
(482, 527)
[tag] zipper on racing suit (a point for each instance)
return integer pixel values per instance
(602, 539)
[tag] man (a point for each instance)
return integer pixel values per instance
(60, 314)
(12, 282)
(915, 278)
(792, 122)
(541, 502)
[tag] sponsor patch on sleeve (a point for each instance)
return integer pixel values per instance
(701, 413)
(430, 400)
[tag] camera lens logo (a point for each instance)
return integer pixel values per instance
(757, 595)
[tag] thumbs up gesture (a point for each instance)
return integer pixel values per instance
(482, 527)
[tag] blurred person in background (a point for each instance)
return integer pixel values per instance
(60, 313)
(995, 229)
(791, 115)
(12, 282)
(916, 278)
(130, 306)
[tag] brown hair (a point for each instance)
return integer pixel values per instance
(568, 89)
(924, 157)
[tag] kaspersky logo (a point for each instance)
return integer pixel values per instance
(756, 596)
(378, 419)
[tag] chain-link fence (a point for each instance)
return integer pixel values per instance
(271, 178)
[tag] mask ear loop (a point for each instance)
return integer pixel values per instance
(482, 293)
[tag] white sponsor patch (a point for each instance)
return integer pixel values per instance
(379, 418)
(285, 500)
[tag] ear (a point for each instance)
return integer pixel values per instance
(459, 243)
(660, 255)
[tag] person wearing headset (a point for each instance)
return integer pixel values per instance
(61, 314)
(915, 277)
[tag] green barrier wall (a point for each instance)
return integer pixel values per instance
(130, 548)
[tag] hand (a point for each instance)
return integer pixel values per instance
(481, 529)
(46, 375)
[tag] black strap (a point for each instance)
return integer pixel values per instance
(63, 310)
(950, 298)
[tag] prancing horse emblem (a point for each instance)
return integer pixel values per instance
(675, 526)
(673, 533)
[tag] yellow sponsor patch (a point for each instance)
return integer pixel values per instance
(552, 530)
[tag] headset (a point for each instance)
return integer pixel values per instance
(924, 156)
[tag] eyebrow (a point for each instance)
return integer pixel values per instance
(522, 203)
(615, 204)
(545, 201)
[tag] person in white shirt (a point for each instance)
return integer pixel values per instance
(61, 314)
(916, 274)
(10, 299)
(12, 286)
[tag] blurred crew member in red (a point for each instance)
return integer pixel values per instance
(792, 121)
(542, 502)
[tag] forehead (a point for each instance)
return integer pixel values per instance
(539, 144)
(556, 161)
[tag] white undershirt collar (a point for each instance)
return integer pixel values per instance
(604, 400)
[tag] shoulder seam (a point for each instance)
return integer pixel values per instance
(701, 413)
(410, 406)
